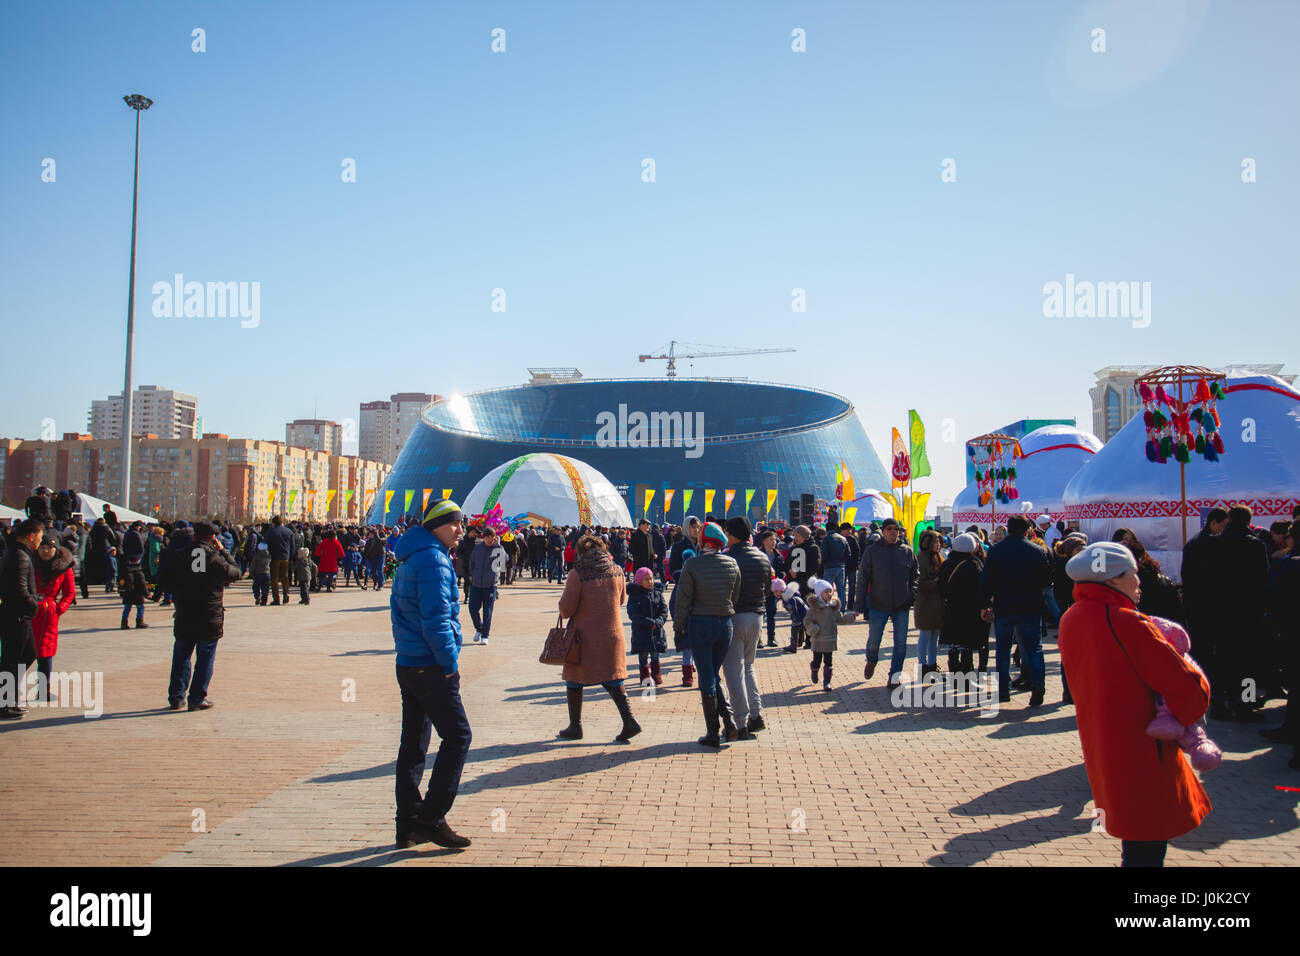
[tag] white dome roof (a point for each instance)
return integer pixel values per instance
(560, 489)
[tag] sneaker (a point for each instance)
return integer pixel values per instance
(478, 637)
(485, 640)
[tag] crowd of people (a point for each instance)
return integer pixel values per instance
(718, 586)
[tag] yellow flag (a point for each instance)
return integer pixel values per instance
(649, 497)
(749, 496)
(388, 499)
(708, 500)
(446, 493)
(850, 514)
(329, 499)
(728, 497)
(686, 500)
(771, 500)
(668, 500)
(270, 501)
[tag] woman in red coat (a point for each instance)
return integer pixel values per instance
(57, 588)
(328, 555)
(1144, 790)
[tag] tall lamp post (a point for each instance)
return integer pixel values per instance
(139, 104)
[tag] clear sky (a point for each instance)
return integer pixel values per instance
(522, 170)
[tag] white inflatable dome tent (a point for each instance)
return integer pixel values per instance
(553, 488)
(1259, 467)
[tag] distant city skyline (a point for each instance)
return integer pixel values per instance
(962, 209)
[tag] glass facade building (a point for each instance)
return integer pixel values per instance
(643, 435)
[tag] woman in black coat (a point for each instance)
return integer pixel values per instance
(964, 631)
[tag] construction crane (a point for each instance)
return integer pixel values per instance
(672, 356)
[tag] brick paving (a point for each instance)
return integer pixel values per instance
(294, 766)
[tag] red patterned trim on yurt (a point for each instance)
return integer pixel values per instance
(1169, 509)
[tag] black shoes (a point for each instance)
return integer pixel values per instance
(574, 730)
(174, 705)
(630, 727)
(205, 704)
(710, 705)
(755, 724)
(869, 670)
(439, 834)
(10, 713)
(1036, 698)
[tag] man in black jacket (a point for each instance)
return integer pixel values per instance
(805, 559)
(1234, 590)
(197, 579)
(643, 547)
(19, 601)
(1011, 593)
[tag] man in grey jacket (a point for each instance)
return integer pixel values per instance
(706, 597)
(486, 562)
(887, 579)
(746, 627)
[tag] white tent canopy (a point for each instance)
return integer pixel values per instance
(92, 508)
(556, 488)
(1259, 467)
(11, 514)
(1053, 455)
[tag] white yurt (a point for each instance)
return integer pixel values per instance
(553, 488)
(871, 506)
(1052, 456)
(92, 508)
(1259, 467)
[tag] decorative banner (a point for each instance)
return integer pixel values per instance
(388, 498)
(311, 501)
(649, 497)
(920, 461)
(921, 528)
(728, 496)
(329, 499)
(749, 496)
(293, 496)
(406, 508)
(839, 483)
(446, 493)
(850, 514)
(668, 500)
(771, 500)
(708, 500)
(347, 496)
(846, 490)
(424, 504)
(686, 501)
(902, 467)
(270, 501)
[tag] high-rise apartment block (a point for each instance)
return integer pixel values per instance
(154, 411)
(386, 426)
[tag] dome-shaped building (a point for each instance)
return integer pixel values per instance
(697, 438)
(551, 489)
(1052, 456)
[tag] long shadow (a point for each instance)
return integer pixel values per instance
(369, 650)
(366, 856)
(1268, 813)
(29, 721)
(563, 768)
(476, 755)
(1066, 789)
(359, 610)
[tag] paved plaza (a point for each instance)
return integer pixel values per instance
(294, 764)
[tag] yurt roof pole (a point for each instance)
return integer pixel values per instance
(1180, 375)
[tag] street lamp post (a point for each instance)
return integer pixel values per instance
(139, 104)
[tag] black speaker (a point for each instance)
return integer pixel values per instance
(795, 513)
(809, 509)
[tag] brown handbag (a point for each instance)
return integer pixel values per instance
(563, 645)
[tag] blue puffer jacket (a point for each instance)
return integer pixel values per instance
(424, 604)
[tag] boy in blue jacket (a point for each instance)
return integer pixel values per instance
(426, 630)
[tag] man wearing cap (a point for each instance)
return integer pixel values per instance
(1144, 789)
(196, 579)
(887, 578)
(425, 614)
(705, 600)
(746, 627)
(1016, 575)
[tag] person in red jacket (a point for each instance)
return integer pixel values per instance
(328, 555)
(56, 589)
(1144, 790)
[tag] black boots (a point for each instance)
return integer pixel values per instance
(630, 727)
(732, 732)
(710, 705)
(574, 730)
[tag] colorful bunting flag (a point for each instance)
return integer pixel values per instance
(649, 497)
(424, 502)
(771, 500)
(668, 500)
(686, 500)
(708, 500)
(749, 496)
(727, 498)
(406, 508)
(920, 461)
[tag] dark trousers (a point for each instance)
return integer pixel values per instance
(261, 586)
(822, 657)
(771, 616)
(1143, 852)
(279, 580)
(182, 650)
(482, 599)
(852, 575)
(430, 701)
(710, 637)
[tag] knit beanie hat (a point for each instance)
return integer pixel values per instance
(739, 527)
(641, 575)
(441, 512)
(1100, 562)
(965, 543)
(777, 586)
(712, 537)
(1078, 535)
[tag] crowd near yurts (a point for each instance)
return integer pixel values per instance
(949, 616)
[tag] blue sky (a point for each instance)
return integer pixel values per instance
(521, 170)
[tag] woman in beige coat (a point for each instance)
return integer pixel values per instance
(594, 595)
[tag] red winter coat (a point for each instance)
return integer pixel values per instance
(56, 596)
(1117, 662)
(328, 554)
